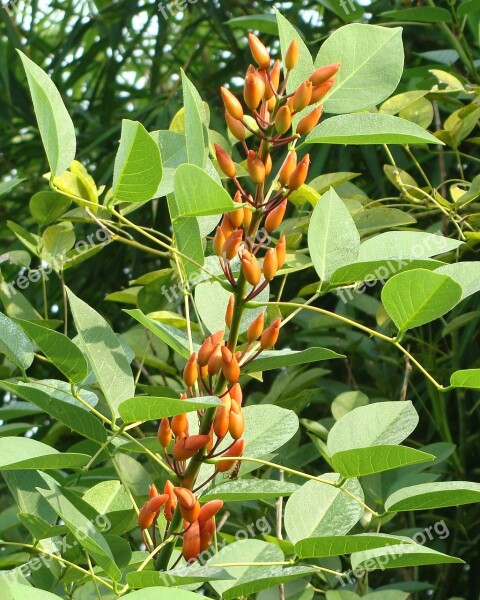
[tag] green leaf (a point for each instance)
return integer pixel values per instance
(378, 270)
(57, 241)
(165, 594)
(375, 219)
(336, 545)
(433, 495)
(27, 592)
(105, 353)
(58, 348)
(54, 122)
(378, 424)
(417, 297)
(147, 408)
(467, 378)
(405, 244)
(25, 453)
(399, 102)
(199, 194)
(366, 461)
(420, 14)
(402, 555)
(346, 402)
(318, 509)
(15, 344)
(369, 128)
(267, 428)
(263, 578)
(196, 124)
(250, 489)
(371, 60)
(466, 274)
(47, 207)
(264, 23)
(138, 165)
(277, 359)
(61, 406)
(333, 239)
(7, 186)
(176, 577)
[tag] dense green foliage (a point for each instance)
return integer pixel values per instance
(373, 388)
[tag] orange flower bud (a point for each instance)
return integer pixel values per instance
(247, 218)
(236, 127)
(290, 104)
(236, 217)
(152, 491)
(207, 531)
(256, 328)
(230, 367)
(302, 96)
(235, 451)
(191, 545)
(256, 168)
(232, 104)
(299, 175)
(274, 78)
(210, 439)
(183, 396)
(253, 91)
(190, 372)
(204, 372)
(323, 74)
(190, 515)
(226, 226)
(292, 55)
(149, 511)
(268, 165)
(281, 251)
(259, 52)
(270, 335)
(205, 352)
(187, 447)
(250, 268)
(236, 393)
(236, 421)
(308, 122)
(218, 241)
(287, 168)
(221, 419)
(319, 91)
(225, 162)
(209, 510)
(232, 244)
(271, 104)
(164, 433)
(215, 360)
(180, 425)
(270, 264)
(185, 497)
(171, 503)
(229, 312)
(275, 217)
(283, 120)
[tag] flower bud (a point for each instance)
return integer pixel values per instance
(210, 439)
(171, 503)
(189, 506)
(226, 226)
(215, 360)
(207, 531)
(319, 91)
(271, 104)
(287, 168)
(259, 52)
(275, 217)
(236, 421)
(190, 372)
(274, 79)
(236, 127)
(299, 175)
(236, 393)
(232, 104)
(250, 268)
(232, 244)
(187, 447)
(180, 425)
(230, 367)
(221, 419)
(229, 312)
(256, 328)
(283, 120)
(209, 510)
(268, 165)
(270, 264)
(270, 335)
(225, 162)
(152, 491)
(247, 218)
(164, 433)
(292, 55)
(308, 122)
(253, 91)
(236, 217)
(149, 511)
(302, 96)
(323, 74)
(256, 168)
(235, 451)
(191, 543)
(218, 241)
(281, 251)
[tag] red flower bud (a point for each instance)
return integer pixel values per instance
(283, 120)
(190, 372)
(259, 52)
(323, 74)
(235, 451)
(236, 127)
(230, 368)
(250, 268)
(256, 328)
(299, 175)
(292, 55)
(270, 264)
(164, 433)
(256, 168)
(281, 251)
(191, 545)
(287, 168)
(270, 335)
(232, 104)
(302, 96)
(275, 217)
